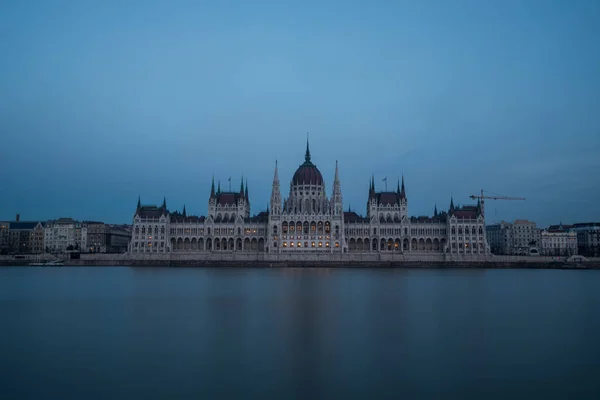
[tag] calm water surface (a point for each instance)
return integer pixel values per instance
(298, 333)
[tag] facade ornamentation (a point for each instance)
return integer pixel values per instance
(308, 221)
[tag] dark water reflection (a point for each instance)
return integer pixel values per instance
(298, 333)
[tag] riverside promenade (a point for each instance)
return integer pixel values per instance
(373, 260)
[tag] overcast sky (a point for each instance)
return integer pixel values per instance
(102, 101)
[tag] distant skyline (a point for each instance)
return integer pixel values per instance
(104, 101)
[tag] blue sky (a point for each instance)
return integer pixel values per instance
(102, 101)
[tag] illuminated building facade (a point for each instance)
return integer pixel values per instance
(308, 221)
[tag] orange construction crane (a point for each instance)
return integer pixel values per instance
(482, 197)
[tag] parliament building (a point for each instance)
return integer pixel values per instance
(308, 221)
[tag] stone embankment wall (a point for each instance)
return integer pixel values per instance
(233, 259)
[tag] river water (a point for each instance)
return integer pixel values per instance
(220, 333)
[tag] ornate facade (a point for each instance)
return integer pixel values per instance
(308, 221)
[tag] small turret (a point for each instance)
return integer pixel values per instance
(337, 193)
(276, 193)
(307, 154)
(212, 188)
(402, 189)
(184, 213)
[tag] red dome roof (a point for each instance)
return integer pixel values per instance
(307, 173)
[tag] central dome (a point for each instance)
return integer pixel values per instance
(307, 173)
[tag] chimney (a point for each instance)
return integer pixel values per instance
(18, 217)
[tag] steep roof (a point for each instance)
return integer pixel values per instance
(150, 212)
(261, 217)
(388, 198)
(307, 173)
(23, 225)
(178, 217)
(559, 228)
(352, 217)
(465, 212)
(586, 225)
(228, 198)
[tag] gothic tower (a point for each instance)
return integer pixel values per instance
(274, 228)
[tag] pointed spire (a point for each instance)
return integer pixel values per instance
(435, 213)
(242, 186)
(184, 213)
(337, 175)
(276, 176)
(139, 204)
(402, 184)
(246, 190)
(451, 203)
(219, 188)
(212, 188)
(398, 188)
(164, 204)
(307, 155)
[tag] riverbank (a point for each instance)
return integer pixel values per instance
(403, 262)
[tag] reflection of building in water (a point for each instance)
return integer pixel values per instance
(308, 221)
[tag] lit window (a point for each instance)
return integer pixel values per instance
(326, 244)
(312, 244)
(299, 244)
(291, 244)
(284, 244)
(320, 244)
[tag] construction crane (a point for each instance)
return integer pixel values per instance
(482, 197)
